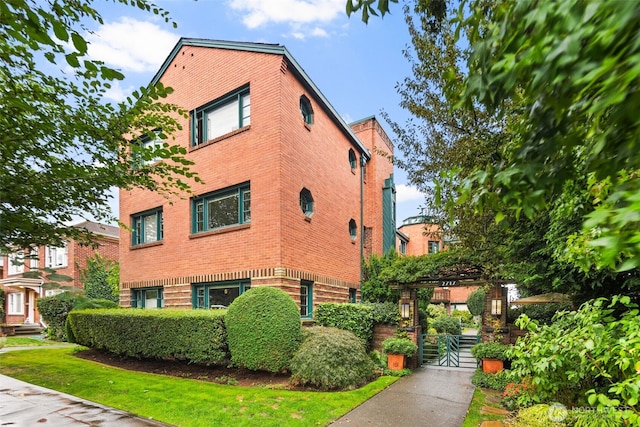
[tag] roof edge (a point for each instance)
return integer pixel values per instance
(274, 49)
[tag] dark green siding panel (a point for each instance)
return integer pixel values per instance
(388, 215)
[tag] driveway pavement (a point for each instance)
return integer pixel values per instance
(430, 397)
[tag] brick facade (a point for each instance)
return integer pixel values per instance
(277, 155)
(106, 245)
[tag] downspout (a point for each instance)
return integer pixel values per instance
(363, 163)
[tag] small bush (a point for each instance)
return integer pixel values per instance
(54, 311)
(534, 416)
(497, 381)
(466, 318)
(3, 341)
(355, 318)
(447, 325)
(264, 329)
(330, 359)
(399, 346)
(84, 303)
(196, 336)
(490, 350)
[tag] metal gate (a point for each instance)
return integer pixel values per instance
(447, 350)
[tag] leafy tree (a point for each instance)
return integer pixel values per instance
(475, 302)
(62, 148)
(101, 279)
(519, 161)
(574, 68)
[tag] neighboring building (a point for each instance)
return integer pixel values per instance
(419, 235)
(22, 292)
(288, 188)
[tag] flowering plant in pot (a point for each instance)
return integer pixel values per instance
(397, 350)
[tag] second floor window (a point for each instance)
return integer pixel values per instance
(56, 257)
(147, 227)
(16, 263)
(222, 208)
(219, 117)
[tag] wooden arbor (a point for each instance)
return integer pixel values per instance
(462, 275)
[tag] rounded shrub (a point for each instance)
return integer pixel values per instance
(263, 329)
(447, 325)
(329, 359)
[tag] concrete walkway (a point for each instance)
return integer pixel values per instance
(430, 397)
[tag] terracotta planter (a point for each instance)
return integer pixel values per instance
(491, 366)
(395, 362)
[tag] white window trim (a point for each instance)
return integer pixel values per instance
(52, 254)
(15, 304)
(15, 268)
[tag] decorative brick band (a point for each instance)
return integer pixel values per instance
(274, 273)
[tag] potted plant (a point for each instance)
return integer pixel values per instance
(492, 354)
(397, 350)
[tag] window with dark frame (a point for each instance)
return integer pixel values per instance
(149, 298)
(218, 295)
(306, 299)
(223, 208)
(353, 229)
(147, 227)
(306, 110)
(306, 202)
(352, 159)
(221, 116)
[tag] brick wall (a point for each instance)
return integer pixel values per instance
(279, 155)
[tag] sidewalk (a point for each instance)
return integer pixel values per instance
(26, 405)
(431, 396)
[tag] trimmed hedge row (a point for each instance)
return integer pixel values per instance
(355, 318)
(196, 336)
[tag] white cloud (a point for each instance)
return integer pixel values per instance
(296, 13)
(117, 93)
(405, 193)
(131, 45)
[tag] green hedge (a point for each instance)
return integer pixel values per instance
(196, 336)
(355, 318)
(264, 329)
(329, 359)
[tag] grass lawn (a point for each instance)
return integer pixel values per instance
(27, 342)
(182, 402)
(474, 416)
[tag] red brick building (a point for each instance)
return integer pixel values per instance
(418, 235)
(22, 292)
(293, 197)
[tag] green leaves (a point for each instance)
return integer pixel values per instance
(63, 147)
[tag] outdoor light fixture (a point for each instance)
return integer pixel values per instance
(496, 307)
(405, 310)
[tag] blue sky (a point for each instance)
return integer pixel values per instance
(356, 66)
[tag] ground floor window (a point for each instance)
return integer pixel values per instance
(306, 299)
(352, 295)
(16, 303)
(147, 298)
(218, 294)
